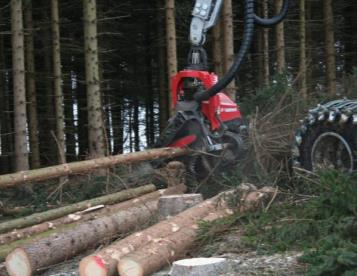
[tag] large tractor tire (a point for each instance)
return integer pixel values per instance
(327, 138)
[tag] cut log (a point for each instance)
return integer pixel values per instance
(162, 251)
(15, 179)
(60, 212)
(28, 259)
(85, 216)
(171, 205)
(105, 261)
(201, 267)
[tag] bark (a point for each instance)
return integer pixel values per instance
(105, 261)
(330, 48)
(136, 125)
(266, 56)
(31, 87)
(350, 37)
(15, 179)
(117, 120)
(162, 251)
(217, 49)
(57, 83)
(171, 45)
(4, 129)
(96, 126)
(302, 66)
(86, 215)
(280, 41)
(18, 63)
(163, 94)
(59, 212)
(28, 259)
(228, 40)
(48, 125)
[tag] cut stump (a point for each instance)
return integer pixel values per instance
(172, 205)
(200, 267)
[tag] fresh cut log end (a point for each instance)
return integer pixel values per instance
(18, 264)
(130, 267)
(200, 267)
(92, 266)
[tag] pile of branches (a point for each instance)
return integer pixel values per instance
(272, 126)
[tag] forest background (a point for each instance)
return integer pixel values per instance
(84, 79)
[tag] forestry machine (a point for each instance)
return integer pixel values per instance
(206, 119)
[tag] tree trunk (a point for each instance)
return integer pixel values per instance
(118, 124)
(136, 123)
(62, 211)
(31, 87)
(266, 56)
(350, 37)
(163, 94)
(28, 259)
(330, 48)
(171, 45)
(280, 41)
(57, 72)
(302, 66)
(105, 261)
(18, 63)
(48, 125)
(95, 116)
(217, 49)
(87, 215)
(228, 40)
(162, 251)
(5, 120)
(15, 179)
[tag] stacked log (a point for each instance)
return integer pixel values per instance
(60, 212)
(66, 244)
(162, 251)
(105, 261)
(85, 215)
(147, 251)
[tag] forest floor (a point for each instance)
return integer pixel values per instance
(309, 228)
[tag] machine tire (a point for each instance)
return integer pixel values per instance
(327, 139)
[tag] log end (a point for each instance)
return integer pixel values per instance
(92, 266)
(18, 264)
(128, 267)
(200, 267)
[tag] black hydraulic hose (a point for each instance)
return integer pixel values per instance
(246, 42)
(269, 22)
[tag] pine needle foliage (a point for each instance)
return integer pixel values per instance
(322, 224)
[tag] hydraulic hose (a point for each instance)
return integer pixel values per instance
(250, 18)
(270, 22)
(246, 42)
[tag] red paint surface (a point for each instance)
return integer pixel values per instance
(100, 262)
(217, 109)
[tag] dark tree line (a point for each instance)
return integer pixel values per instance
(63, 100)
